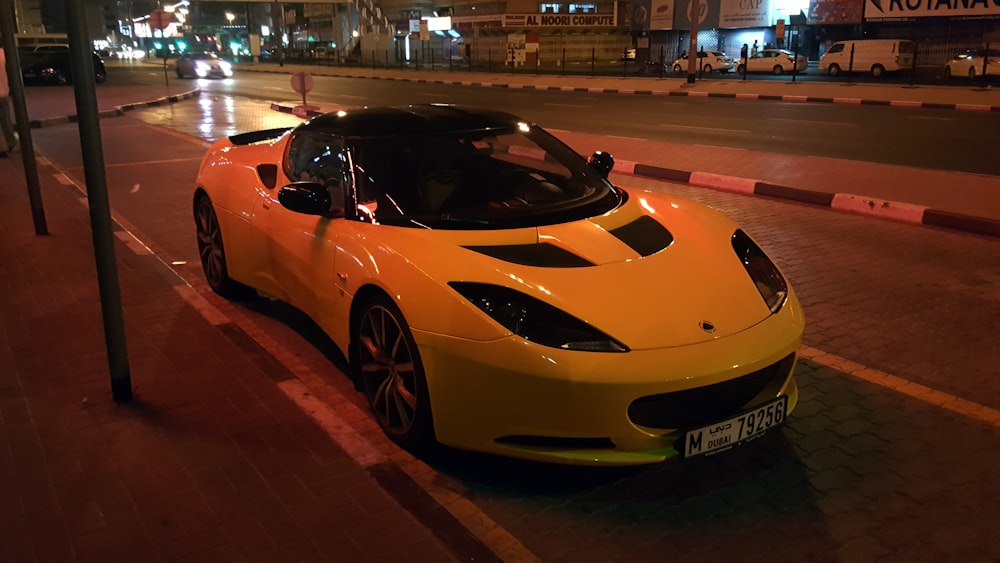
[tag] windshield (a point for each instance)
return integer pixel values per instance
(484, 179)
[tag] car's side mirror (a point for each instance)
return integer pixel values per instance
(602, 162)
(310, 198)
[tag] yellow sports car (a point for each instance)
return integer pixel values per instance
(493, 291)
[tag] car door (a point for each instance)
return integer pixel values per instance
(301, 248)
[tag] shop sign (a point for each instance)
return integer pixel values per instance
(744, 13)
(823, 12)
(558, 20)
(876, 10)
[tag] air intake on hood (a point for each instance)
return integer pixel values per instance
(644, 235)
(542, 255)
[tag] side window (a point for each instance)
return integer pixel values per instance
(315, 157)
(837, 48)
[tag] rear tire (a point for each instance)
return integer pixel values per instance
(947, 72)
(777, 70)
(707, 69)
(741, 69)
(212, 252)
(878, 70)
(972, 72)
(678, 69)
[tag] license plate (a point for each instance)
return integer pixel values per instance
(725, 434)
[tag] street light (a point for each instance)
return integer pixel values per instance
(230, 16)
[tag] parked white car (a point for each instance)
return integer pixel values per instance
(970, 64)
(775, 61)
(708, 60)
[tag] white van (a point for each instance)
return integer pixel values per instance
(876, 56)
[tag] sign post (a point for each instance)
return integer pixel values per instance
(302, 82)
(159, 19)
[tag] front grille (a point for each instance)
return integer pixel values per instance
(695, 407)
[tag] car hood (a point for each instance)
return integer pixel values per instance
(607, 272)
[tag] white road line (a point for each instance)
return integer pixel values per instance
(696, 127)
(148, 162)
(814, 122)
(361, 450)
(920, 392)
(579, 106)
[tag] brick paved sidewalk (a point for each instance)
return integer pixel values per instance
(209, 462)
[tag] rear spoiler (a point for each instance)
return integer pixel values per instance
(257, 136)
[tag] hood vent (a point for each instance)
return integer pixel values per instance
(542, 255)
(645, 235)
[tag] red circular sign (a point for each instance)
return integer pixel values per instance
(159, 19)
(302, 82)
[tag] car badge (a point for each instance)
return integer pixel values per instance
(707, 326)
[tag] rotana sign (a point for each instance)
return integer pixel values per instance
(896, 9)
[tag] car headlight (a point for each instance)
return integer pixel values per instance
(225, 66)
(536, 320)
(765, 275)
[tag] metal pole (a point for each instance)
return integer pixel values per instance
(97, 197)
(8, 29)
(694, 11)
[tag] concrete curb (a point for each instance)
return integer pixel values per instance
(668, 92)
(861, 205)
(117, 111)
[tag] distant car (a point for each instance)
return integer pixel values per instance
(775, 61)
(709, 61)
(203, 65)
(54, 67)
(492, 290)
(970, 63)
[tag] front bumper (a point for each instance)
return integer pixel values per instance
(515, 398)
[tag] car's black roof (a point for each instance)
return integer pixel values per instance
(422, 119)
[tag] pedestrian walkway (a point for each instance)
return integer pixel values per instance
(211, 461)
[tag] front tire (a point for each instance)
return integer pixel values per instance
(212, 252)
(878, 70)
(777, 70)
(391, 374)
(707, 69)
(834, 70)
(741, 69)
(972, 72)
(677, 69)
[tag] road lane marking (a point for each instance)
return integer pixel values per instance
(148, 162)
(577, 106)
(340, 431)
(920, 392)
(696, 127)
(814, 122)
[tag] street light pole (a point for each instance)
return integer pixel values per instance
(694, 14)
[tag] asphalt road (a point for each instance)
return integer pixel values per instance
(923, 138)
(900, 320)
